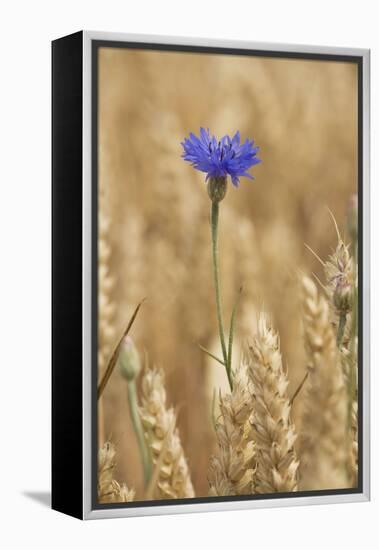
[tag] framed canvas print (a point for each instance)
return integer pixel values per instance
(210, 275)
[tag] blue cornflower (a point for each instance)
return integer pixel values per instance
(220, 158)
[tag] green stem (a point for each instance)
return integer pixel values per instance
(214, 226)
(138, 430)
(341, 329)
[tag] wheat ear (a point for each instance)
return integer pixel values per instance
(159, 422)
(353, 454)
(339, 268)
(339, 275)
(324, 420)
(273, 429)
(349, 360)
(232, 471)
(105, 305)
(108, 489)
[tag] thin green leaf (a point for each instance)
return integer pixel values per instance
(298, 389)
(211, 355)
(113, 360)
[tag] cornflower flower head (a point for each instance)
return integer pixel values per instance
(220, 158)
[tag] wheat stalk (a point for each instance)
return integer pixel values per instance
(232, 470)
(108, 489)
(162, 435)
(273, 429)
(324, 419)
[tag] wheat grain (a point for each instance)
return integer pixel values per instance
(273, 429)
(162, 435)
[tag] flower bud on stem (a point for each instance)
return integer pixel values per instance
(217, 188)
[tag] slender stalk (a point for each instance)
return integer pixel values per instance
(231, 334)
(341, 329)
(138, 430)
(214, 226)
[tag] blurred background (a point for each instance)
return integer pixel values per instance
(154, 233)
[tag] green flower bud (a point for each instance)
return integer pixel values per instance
(128, 359)
(217, 188)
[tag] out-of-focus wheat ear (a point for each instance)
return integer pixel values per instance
(108, 489)
(272, 426)
(324, 443)
(106, 306)
(352, 380)
(350, 361)
(162, 436)
(353, 454)
(232, 471)
(122, 493)
(340, 285)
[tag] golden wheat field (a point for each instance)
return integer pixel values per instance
(296, 316)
